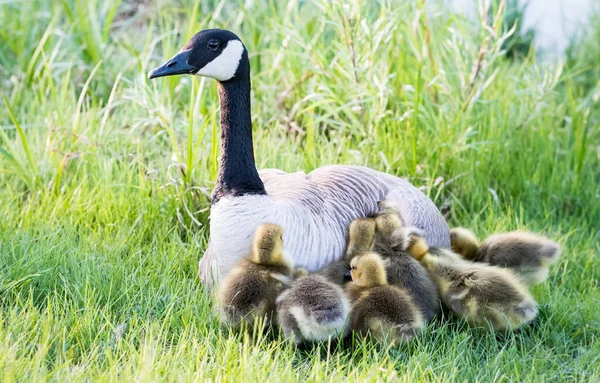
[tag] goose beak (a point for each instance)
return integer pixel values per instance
(178, 64)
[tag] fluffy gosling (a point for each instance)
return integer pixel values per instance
(248, 293)
(313, 310)
(478, 292)
(379, 309)
(391, 242)
(529, 255)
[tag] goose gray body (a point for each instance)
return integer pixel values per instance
(313, 209)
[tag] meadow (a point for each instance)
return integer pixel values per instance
(105, 180)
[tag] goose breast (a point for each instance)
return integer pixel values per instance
(314, 211)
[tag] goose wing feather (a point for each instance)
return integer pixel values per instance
(344, 193)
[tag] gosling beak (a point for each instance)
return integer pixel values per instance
(178, 64)
(347, 276)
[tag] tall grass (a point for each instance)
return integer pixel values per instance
(105, 176)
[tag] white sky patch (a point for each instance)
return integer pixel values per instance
(554, 21)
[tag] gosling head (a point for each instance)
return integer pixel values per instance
(417, 246)
(361, 235)
(387, 223)
(464, 242)
(391, 233)
(368, 270)
(267, 246)
(213, 53)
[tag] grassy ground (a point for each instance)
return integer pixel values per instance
(104, 177)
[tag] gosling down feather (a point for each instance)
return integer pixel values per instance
(313, 209)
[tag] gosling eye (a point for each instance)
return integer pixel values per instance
(213, 44)
(353, 268)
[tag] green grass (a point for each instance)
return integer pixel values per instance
(104, 177)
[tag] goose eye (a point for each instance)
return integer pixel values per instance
(213, 44)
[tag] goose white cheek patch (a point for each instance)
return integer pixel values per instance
(223, 67)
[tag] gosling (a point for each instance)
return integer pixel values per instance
(379, 309)
(391, 242)
(313, 310)
(247, 295)
(480, 293)
(529, 255)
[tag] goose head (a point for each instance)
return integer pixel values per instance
(213, 53)
(220, 54)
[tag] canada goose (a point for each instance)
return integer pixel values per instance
(314, 209)
(312, 310)
(248, 293)
(529, 255)
(379, 309)
(478, 292)
(361, 235)
(391, 242)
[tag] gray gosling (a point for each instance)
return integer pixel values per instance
(391, 242)
(380, 310)
(529, 255)
(248, 293)
(480, 293)
(313, 310)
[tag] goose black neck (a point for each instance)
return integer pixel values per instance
(237, 173)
